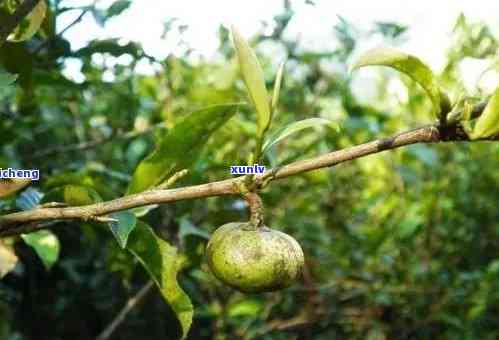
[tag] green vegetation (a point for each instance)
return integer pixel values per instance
(402, 244)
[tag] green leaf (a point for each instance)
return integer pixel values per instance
(80, 178)
(122, 229)
(6, 78)
(253, 78)
(277, 87)
(487, 124)
(73, 195)
(294, 128)
(180, 147)
(143, 211)
(118, 7)
(162, 262)
(110, 46)
(8, 259)
(245, 308)
(30, 24)
(46, 246)
(411, 66)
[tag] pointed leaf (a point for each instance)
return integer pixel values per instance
(30, 24)
(8, 260)
(253, 78)
(118, 7)
(180, 147)
(277, 87)
(162, 262)
(46, 246)
(487, 124)
(294, 128)
(122, 229)
(411, 66)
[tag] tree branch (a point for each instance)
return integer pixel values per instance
(131, 303)
(15, 19)
(26, 221)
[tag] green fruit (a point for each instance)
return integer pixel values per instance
(254, 260)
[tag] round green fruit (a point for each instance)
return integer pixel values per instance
(254, 260)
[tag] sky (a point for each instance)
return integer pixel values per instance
(430, 22)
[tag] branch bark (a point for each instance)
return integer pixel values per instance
(28, 221)
(15, 19)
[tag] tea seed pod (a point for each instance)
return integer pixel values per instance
(254, 260)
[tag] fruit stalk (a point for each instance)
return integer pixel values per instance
(256, 209)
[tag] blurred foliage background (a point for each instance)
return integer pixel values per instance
(399, 245)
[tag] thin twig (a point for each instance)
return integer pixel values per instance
(172, 180)
(12, 21)
(131, 303)
(65, 29)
